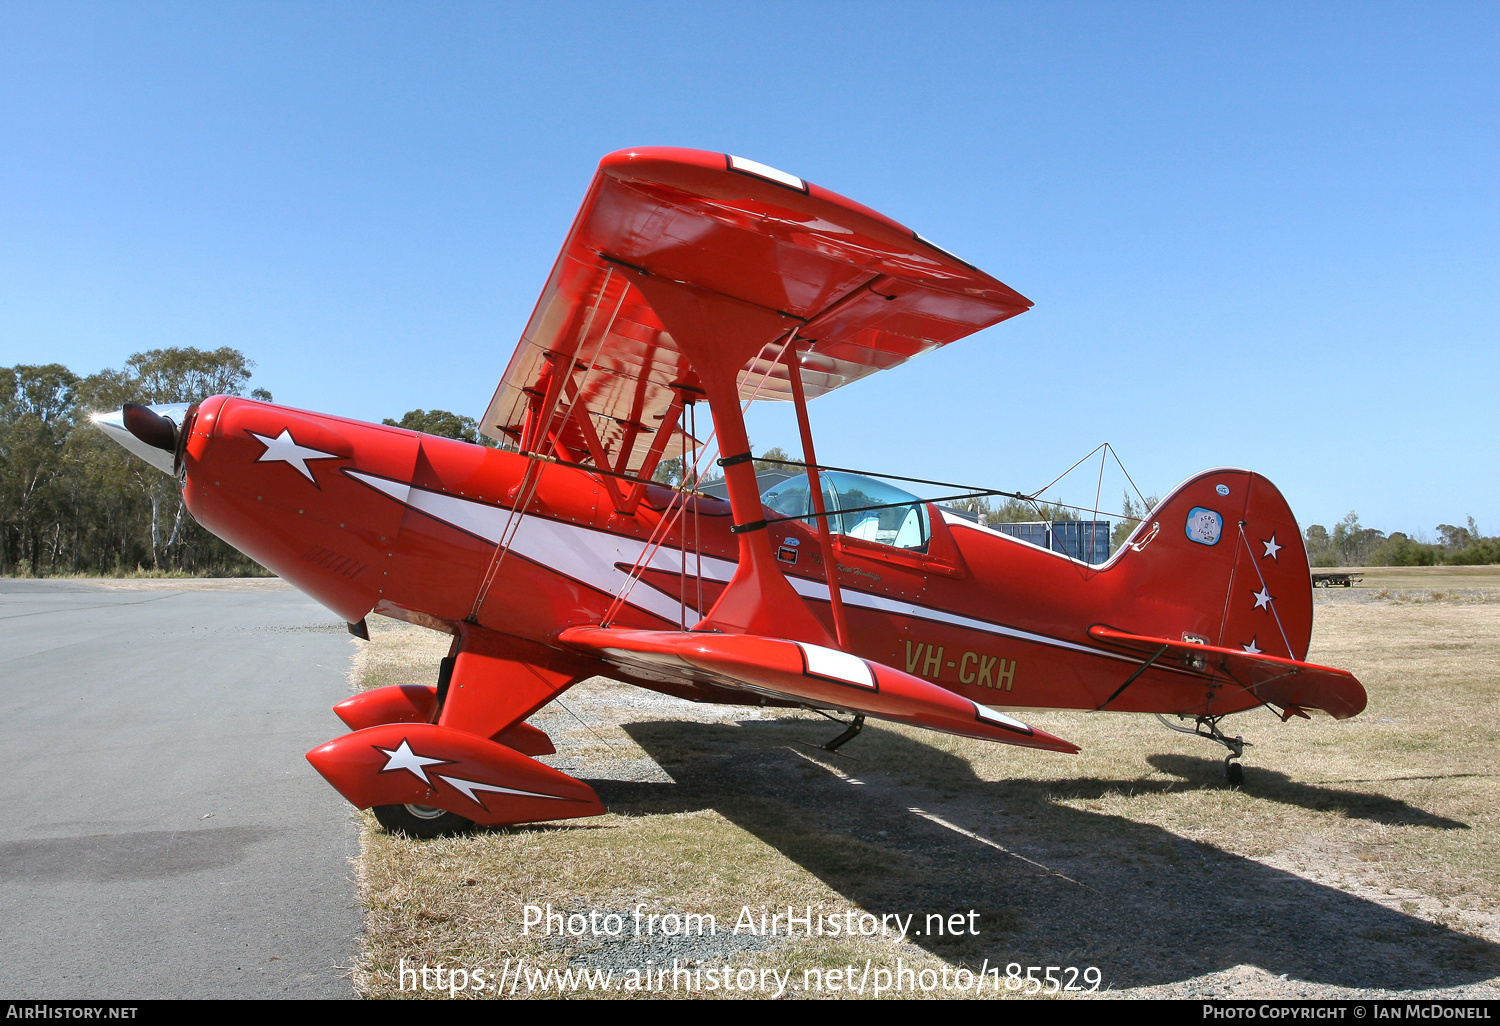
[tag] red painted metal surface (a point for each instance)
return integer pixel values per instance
(398, 703)
(801, 672)
(679, 280)
(867, 293)
(435, 767)
(1289, 683)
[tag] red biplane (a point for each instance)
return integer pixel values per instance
(695, 278)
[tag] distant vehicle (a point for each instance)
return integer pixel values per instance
(693, 278)
(1339, 580)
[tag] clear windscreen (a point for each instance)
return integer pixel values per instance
(900, 523)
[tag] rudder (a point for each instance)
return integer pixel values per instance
(1219, 561)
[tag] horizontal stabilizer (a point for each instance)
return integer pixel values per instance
(808, 674)
(1288, 683)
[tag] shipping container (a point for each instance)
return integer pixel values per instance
(1086, 540)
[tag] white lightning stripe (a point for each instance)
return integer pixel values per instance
(585, 555)
(395, 489)
(812, 589)
(590, 556)
(468, 787)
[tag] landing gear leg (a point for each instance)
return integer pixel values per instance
(851, 731)
(1207, 727)
(855, 726)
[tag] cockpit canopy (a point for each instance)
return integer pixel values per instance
(902, 522)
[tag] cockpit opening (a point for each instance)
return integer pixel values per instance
(901, 522)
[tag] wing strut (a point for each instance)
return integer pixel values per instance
(825, 537)
(720, 335)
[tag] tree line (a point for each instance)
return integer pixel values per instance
(1351, 544)
(1348, 544)
(74, 502)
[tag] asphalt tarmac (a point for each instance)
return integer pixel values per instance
(165, 836)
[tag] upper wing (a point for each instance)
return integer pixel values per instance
(870, 293)
(820, 677)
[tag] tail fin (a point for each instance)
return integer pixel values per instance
(1220, 562)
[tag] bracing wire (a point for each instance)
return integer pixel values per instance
(674, 510)
(533, 475)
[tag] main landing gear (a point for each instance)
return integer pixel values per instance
(1208, 727)
(421, 821)
(850, 732)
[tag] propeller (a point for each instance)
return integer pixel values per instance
(149, 432)
(150, 427)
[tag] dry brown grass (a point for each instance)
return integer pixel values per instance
(1361, 858)
(1440, 578)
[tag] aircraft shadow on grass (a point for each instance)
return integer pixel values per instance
(1204, 774)
(1071, 887)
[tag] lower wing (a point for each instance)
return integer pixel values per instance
(808, 674)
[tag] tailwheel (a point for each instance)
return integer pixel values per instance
(1207, 727)
(1234, 773)
(421, 821)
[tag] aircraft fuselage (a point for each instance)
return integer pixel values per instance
(366, 517)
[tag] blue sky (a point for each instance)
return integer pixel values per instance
(1260, 235)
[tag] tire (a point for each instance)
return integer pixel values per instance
(1236, 774)
(420, 821)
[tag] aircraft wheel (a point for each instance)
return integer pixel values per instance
(420, 821)
(1235, 773)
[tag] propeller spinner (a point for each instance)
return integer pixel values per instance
(149, 432)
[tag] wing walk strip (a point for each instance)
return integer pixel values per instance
(589, 557)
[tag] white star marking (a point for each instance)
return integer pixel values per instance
(468, 787)
(1251, 648)
(284, 448)
(1272, 548)
(1263, 598)
(403, 758)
